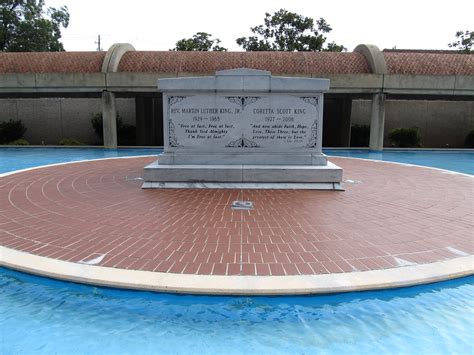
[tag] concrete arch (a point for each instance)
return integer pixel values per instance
(374, 57)
(377, 64)
(113, 56)
(109, 112)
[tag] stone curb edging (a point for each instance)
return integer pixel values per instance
(237, 285)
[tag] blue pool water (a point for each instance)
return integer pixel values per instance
(12, 159)
(456, 160)
(20, 158)
(43, 316)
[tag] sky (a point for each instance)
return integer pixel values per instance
(156, 25)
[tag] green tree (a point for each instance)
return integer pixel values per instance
(288, 31)
(464, 41)
(25, 26)
(201, 42)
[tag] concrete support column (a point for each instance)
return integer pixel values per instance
(109, 119)
(377, 122)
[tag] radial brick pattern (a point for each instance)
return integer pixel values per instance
(389, 216)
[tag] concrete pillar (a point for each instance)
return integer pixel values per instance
(377, 122)
(110, 64)
(109, 118)
(377, 64)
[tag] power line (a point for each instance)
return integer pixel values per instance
(98, 43)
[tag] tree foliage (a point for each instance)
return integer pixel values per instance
(201, 42)
(464, 41)
(26, 26)
(288, 31)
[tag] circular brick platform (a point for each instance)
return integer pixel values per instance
(93, 217)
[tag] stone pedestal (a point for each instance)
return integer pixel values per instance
(243, 127)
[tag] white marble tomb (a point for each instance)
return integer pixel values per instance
(243, 128)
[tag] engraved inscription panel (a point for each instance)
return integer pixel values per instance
(228, 122)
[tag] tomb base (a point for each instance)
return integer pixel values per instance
(322, 177)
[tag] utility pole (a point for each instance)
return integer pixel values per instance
(98, 43)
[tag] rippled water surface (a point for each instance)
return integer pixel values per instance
(39, 315)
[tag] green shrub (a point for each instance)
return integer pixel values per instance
(360, 135)
(405, 137)
(21, 141)
(470, 139)
(126, 134)
(97, 124)
(70, 141)
(11, 131)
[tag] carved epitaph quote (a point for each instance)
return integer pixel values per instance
(261, 122)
